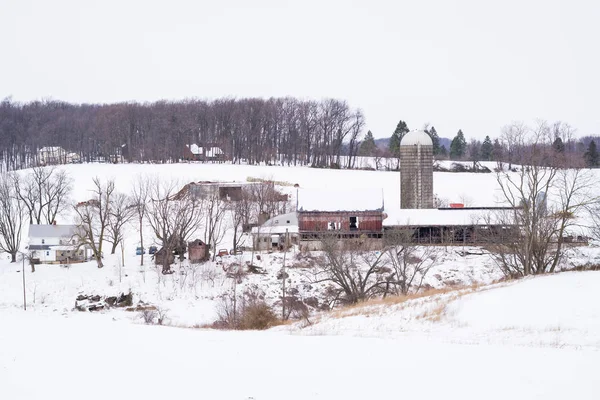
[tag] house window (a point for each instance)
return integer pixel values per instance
(47, 253)
(287, 222)
(60, 241)
(43, 241)
(353, 223)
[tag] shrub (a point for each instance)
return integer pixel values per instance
(258, 316)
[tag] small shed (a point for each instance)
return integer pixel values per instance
(197, 251)
(159, 257)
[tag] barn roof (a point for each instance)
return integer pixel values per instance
(445, 217)
(340, 200)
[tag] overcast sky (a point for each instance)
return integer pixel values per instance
(470, 64)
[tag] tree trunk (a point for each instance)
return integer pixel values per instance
(13, 257)
(141, 243)
(114, 247)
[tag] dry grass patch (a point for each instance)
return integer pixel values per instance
(443, 296)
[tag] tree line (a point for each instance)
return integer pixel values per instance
(508, 148)
(252, 130)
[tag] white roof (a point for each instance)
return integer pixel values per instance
(194, 148)
(52, 231)
(435, 217)
(279, 224)
(416, 137)
(207, 151)
(340, 200)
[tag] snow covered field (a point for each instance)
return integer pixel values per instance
(534, 338)
(74, 356)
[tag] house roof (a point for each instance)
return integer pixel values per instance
(48, 231)
(279, 224)
(206, 151)
(340, 200)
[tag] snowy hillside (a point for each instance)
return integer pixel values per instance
(466, 354)
(551, 311)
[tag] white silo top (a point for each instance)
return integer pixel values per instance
(416, 137)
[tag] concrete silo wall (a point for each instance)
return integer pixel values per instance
(416, 176)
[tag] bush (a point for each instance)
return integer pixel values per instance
(258, 316)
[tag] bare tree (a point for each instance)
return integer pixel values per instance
(12, 214)
(410, 263)
(356, 274)
(214, 220)
(174, 218)
(139, 197)
(546, 201)
(44, 193)
(93, 217)
(121, 211)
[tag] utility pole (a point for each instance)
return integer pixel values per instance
(285, 244)
(24, 292)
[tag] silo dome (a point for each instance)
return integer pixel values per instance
(416, 137)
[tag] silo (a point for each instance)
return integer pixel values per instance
(416, 170)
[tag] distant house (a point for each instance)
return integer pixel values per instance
(56, 244)
(56, 155)
(197, 251)
(193, 152)
(276, 233)
(340, 216)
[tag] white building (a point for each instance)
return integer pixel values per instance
(52, 155)
(56, 243)
(272, 234)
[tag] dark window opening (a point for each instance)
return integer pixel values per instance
(353, 223)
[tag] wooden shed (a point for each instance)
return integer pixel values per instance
(159, 257)
(197, 251)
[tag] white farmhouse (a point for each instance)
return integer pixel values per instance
(55, 243)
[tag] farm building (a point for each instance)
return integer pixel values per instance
(161, 256)
(56, 244)
(477, 225)
(197, 251)
(340, 215)
(276, 233)
(416, 170)
(193, 152)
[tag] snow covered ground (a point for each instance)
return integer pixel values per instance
(74, 356)
(490, 342)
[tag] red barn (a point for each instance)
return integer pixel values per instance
(340, 214)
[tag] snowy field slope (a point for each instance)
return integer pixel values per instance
(76, 356)
(558, 311)
(487, 342)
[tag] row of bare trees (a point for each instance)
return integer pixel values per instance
(357, 273)
(285, 130)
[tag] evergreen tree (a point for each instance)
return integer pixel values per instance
(592, 159)
(368, 146)
(498, 151)
(487, 149)
(394, 146)
(458, 146)
(443, 152)
(558, 145)
(435, 139)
